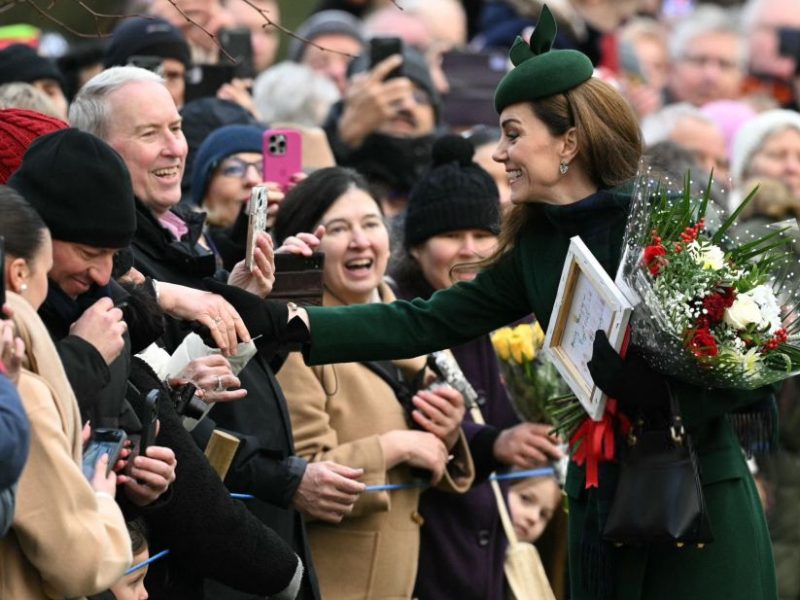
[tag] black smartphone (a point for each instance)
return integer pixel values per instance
(149, 420)
(203, 81)
(381, 48)
(237, 42)
(103, 441)
(147, 412)
(297, 262)
(3, 264)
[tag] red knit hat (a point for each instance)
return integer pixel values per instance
(18, 129)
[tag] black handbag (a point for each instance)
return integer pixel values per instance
(659, 496)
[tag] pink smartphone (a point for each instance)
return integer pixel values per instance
(283, 155)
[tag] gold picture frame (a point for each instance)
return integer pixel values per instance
(587, 300)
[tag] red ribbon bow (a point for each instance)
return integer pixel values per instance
(596, 440)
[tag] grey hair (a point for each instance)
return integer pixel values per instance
(311, 95)
(89, 110)
(750, 9)
(18, 94)
(707, 18)
(659, 126)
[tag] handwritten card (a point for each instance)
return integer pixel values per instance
(587, 300)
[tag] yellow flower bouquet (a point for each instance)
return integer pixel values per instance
(537, 391)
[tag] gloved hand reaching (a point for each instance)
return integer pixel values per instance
(266, 320)
(639, 389)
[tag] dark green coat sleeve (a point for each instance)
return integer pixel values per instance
(401, 329)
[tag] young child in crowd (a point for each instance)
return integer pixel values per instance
(533, 501)
(131, 587)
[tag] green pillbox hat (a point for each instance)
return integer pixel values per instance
(538, 71)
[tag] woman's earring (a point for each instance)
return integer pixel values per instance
(23, 287)
(563, 167)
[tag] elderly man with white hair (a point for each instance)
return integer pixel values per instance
(709, 55)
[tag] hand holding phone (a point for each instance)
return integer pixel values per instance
(283, 156)
(103, 441)
(257, 209)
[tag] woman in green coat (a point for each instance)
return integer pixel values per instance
(568, 140)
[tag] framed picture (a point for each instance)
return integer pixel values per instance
(257, 222)
(587, 300)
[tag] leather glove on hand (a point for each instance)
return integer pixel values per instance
(637, 387)
(265, 318)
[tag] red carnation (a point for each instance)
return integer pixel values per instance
(652, 258)
(715, 305)
(703, 343)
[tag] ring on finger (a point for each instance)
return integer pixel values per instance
(219, 387)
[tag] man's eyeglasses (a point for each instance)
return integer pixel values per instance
(236, 167)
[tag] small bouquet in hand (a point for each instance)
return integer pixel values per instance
(537, 391)
(712, 307)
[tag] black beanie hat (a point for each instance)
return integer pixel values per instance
(80, 187)
(19, 62)
(146, 37)
(455, 194)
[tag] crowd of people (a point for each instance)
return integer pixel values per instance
(127, 166)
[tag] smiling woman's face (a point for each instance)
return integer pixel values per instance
(356, 247)
(529, 153)
(437, 256)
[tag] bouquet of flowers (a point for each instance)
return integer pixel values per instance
(712, 307)
(537, 391)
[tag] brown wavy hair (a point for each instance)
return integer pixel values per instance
(609, 144)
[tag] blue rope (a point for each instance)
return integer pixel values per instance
(388, 487)
(374, 488)
(144, 563)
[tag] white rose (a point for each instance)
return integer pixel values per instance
(711, 257)
(743, 312)
(768, 304)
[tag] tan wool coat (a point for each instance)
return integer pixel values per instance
(65, 541)
(338, 413)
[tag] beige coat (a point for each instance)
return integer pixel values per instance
(65, 541)
(338, 413)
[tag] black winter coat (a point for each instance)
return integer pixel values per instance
(264, 465)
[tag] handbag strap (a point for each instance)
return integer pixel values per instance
(676, 428)
(390, 374)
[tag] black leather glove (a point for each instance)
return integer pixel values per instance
(265, 319)
(640, 390)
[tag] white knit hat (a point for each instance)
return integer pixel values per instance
(753, 133)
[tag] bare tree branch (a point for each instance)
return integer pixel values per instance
(292, 34)
(98, 16)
